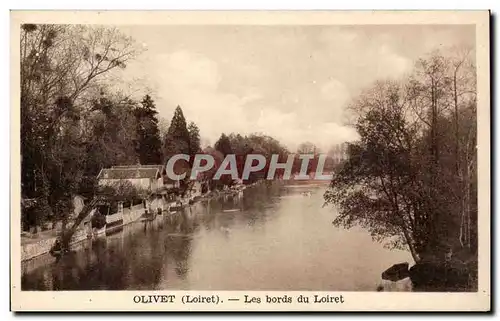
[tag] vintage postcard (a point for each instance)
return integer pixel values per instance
(250, 161)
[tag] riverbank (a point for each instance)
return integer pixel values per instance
(34, 247)
(41, 243)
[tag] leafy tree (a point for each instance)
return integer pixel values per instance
(148, 145)
(267, 146)
(401, 179)
(61, 66)
(210, 173)
(307, 148)
(194, 139)
(241, 146)
(367, 187)
(163, 126)
(256, 144)
(177, 139)
(121, 191)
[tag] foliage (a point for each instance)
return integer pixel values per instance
(110, 136)
(121, 191)
(98, 220)
(223, 146)
(410, 179)
(257, 143)
(180, 140)
(148, 145)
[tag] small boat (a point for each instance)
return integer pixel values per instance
(148, 216)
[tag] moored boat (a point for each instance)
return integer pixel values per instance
(114, 223)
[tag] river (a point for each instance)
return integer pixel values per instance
(273, 238)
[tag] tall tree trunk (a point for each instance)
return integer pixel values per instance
(462, 203)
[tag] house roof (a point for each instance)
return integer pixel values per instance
(129, 173)
(161, 168)
(27, 203)
(138, 166)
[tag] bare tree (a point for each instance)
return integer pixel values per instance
(60, 65)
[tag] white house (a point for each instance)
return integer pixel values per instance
(149, 177)
(142, 177)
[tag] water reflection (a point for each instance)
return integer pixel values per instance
(272, 238)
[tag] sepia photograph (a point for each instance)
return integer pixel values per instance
(294, 163)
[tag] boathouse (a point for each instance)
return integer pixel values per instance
(150, 178)
(143, 177)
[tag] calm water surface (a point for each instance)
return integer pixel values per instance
(271, 239)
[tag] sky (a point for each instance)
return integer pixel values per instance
(289, 82)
